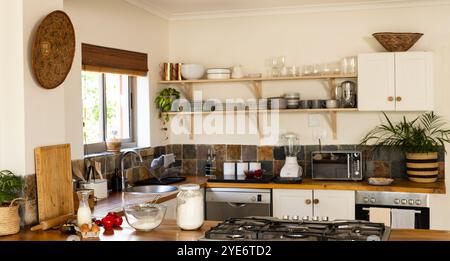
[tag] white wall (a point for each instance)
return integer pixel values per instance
(117, 24)
(308, 39)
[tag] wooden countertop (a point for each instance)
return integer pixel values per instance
(399, 185)
(168, 231)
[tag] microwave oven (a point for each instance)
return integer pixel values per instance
(337, 165)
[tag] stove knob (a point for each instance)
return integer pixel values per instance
(373, 200)
(296, 218)
(396, 201)
(286, 217)
(411, 202)
(253, 198)
(418, 202)
(366, 199)
(305, 218)
(316, 219)
(325, 219)
(404, 201)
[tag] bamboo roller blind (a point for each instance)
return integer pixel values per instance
(110, 60)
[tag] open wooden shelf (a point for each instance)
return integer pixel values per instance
(313, 77)
(265, 111)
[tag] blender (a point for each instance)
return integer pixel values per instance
(291, 169)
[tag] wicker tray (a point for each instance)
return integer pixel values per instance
(397, 42)
(53, 50)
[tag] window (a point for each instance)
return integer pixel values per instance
(107, 108)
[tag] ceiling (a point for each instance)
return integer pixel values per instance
(188, 9)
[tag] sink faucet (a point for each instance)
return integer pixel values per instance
(122, 168)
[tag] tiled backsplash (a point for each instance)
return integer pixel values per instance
(193, 158)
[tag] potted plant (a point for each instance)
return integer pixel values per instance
(10, 190)
(164, 101)
(420, 139)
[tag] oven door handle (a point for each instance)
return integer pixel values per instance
(236, 205)
(416, 211)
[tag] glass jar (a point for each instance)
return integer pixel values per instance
(190, 207)
(84, 214)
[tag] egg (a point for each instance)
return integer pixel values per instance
(84, 228)
(95, 228)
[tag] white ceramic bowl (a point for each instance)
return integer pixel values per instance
(192, 71)
(219, 76)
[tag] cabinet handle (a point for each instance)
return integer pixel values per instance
(308, 202)
(316, 201)
(399, 98)
(391, 98)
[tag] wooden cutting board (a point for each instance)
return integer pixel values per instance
(54, 181)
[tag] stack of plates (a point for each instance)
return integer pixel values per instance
(293, 100)
(218, 73)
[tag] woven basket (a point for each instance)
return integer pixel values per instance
(9, 219)
(397, 42)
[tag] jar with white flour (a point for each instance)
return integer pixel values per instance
(190, 207)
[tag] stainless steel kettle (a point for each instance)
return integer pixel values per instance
(348, 98)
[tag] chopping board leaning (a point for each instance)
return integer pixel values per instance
(54, 181)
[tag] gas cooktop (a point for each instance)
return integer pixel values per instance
(272, 229)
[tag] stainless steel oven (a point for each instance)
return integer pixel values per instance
(414, 202)
(224, 203)
(337, 165)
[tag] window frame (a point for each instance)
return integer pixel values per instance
(100, 147)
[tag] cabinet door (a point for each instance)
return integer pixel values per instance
(171, 212)
(334, 204)
(376, 82)
(292, 202)
(414, 81)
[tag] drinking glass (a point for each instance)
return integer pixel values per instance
(349, 65)
(307, 70)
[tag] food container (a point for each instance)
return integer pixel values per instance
(145, 216)
(190, 207)
(192, 71)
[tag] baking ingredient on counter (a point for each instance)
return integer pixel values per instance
(190, 207)
(84, 214)
(146, 216)
(87, 231)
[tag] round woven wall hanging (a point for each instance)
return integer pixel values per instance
(53, 50)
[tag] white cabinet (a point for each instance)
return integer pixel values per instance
(292, 202)
(334, 204)
(395, 81)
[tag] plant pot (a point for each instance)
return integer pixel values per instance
(113, 146)
(422, 167)
(9, 220)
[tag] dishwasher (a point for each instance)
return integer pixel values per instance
(225, 203)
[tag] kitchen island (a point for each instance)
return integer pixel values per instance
(169, 231)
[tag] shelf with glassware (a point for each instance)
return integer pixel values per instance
(186, 87)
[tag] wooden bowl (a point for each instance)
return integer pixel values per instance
(397, 42)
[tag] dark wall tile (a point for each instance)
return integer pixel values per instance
(189, 151)
(278, 153)
(441, 154)
(301, 153)
(347, 147)
(249, 153)
(265, 153)
(267, 166)
(398, 169)
(189, 167)
(442, 170)
(159, 151)
(201, 167)
(277, 166)
(221, 152)
(29, 187)
(330, 147)
(202, 151)
(378, 169)
(233, 152)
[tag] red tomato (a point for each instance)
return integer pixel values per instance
(108, 222)
(118, 221)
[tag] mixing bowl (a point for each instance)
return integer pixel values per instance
(192, 71)
(146, 216)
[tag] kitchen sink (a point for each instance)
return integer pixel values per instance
(151, 189)
(163, 181)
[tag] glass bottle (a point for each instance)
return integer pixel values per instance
(84, 214)
(190, 207)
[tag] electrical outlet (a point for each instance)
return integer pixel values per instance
(314, 120)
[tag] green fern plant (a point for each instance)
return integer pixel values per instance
(426, 133)
(10, 187)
